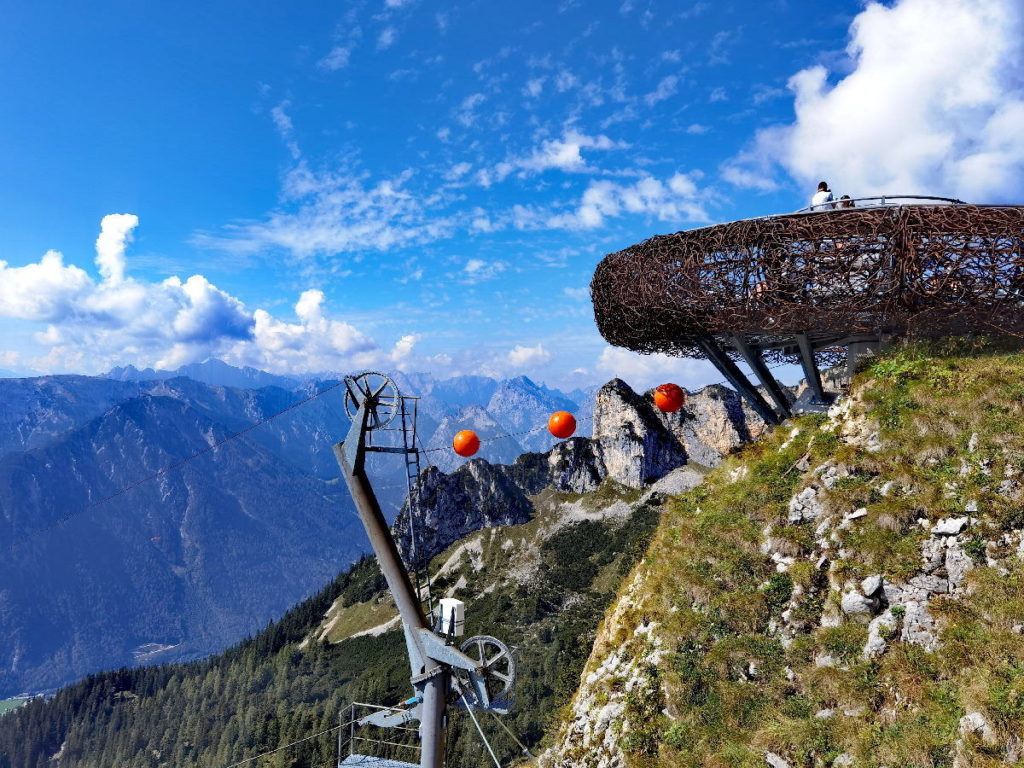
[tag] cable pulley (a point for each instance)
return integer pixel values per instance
(497, 668)
(378, 392)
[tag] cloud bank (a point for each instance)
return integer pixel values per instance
(933, 104)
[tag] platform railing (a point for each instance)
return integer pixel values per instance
(880, 201)
(355, 738)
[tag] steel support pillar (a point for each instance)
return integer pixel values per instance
(752, 355)
(811, 372)
(351, 456)
(858, 350)
(739, 381)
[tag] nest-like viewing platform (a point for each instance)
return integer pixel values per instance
(808, 284)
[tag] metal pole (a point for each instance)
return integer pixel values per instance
(741, 383)
(753, 357)
(811, 372)
(351, 459)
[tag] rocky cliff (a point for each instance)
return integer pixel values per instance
(847, 592)
(634, 444)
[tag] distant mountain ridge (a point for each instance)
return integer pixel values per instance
(190, 562)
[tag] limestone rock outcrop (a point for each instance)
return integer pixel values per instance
(633, 444)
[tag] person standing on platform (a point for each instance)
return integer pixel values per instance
(822, 200)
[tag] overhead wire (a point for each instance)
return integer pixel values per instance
(508, 730)
(469, 709)
(284, 747)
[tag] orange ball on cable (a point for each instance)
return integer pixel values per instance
(466, 443)
(669, 397)
(562, 424)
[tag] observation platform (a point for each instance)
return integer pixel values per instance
(816, 286)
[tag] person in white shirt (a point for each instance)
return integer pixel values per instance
(822, 200)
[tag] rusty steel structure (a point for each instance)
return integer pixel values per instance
(810, 285)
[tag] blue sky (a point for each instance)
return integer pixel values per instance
(400, 183)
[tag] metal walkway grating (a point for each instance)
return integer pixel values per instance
(367, 761)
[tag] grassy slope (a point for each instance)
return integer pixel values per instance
(711, 593)
(9, 705)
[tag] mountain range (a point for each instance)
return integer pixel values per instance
(190, 561)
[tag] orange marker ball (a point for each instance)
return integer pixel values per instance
(669, 397)
(562, 424)
(466, 443)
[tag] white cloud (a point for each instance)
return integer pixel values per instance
(696, 129)
(665, 90)
(115, 234)
(564, 154)
(285, 127)
(645, 371)
(676, 200)
(466, 113)
(534, 87)
(577, 294)
(457, 171)
(92, 324)
(386, 38)
(282, 121)
(933, 103)
(402, 351)
(43, 291)
(478, 270)
(333, 213)
(565, 80)
(337, 58)
(520, 357)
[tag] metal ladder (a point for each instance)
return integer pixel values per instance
(409, 414)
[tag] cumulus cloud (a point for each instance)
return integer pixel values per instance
(678, 199)
(520, 357)
(933, 103)
(115, 234)
(563, 154)
(403, 349)
(94, 323)
(42, 291)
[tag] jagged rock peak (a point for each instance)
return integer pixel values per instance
(634, 444)
(637, 446)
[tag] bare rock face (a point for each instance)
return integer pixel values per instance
(576, 465)
(478, 495)
(637, 446)
(713, 424)
(634, 444)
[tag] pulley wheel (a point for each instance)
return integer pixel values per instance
(380, 394)
(499, 668)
